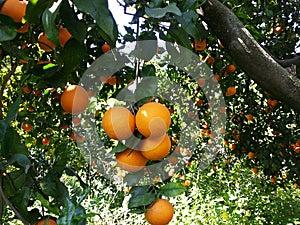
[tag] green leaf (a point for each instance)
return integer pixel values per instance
(48, 184)
(13, 110)
(98, 9)
(76, 27)
(118, 148)
(22, 160)
(132, 179)
(35, 9)
(155, 3)
(188, 4)
(180, 36)
(148, 71)
(11, 142)
(8, 28)
(52, 208)
(72, 54)
(146, 88)
(141, 200)
(187, 21)
(161, 12)
(172, 189)
(48, 19)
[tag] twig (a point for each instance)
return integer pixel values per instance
(3, 86)
(10, 205)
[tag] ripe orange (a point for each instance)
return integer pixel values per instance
(230, 91)
(155, 148)
(131, 160)
(47, 222)
(160, 212)
(153, 119)
(255, 170)
(273, 180)
(200, 45)
(278, 29)
(118, 123)
(45, 141)
(231, 68)
(76, 121)
(15, 9)
(63, 36)
(27, 127)
(23, 28)
(74, 99)
(45, 43)
(201, 82)
(249, 117)
(173, 160)
(251, 155)
(105, 48)
(210, 60)
(26, 89)
(112, 80)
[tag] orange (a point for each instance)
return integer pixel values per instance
(201, 82)
(230, 91)
(255, 170)
(26, 89)
(45, 141)
(74, 99)
(200, 45)
(23, 28)
(76, 121)
(118, 123)
(153, 119)
(63, 36)
(231, 68)
(155, 148)
(15, 9)
(131, 160)
(112, 80)
(249, 117)
(273, 180)
(186, 183)
(47, 222)
(251, 155)
(45, 43)
(105, 48)
(210, 60)
(278, 29)
(160, 212)
(27, 127)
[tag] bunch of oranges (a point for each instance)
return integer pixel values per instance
(152, 121)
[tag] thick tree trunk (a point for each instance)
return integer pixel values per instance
(250, 56)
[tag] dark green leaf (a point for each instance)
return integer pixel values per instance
(141, 200)
(98, 9)
(48, 184)
(35, 9)
(148, 71)
(13, 110)
(8, 28)
(172, 189)
(188, 4)
(48, 19)
(76, 27)
(187, 20)
(161, 12)
(73, 53)
(180, 36)
(11, 142)
(21, 159)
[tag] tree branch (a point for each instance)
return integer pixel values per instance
(11, 206)
(250, 56)
(289, 62)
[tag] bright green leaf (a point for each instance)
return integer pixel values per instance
(172, 189)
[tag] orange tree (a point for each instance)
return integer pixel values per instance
(249, 46)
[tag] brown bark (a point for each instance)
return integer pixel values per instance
(250, 56)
